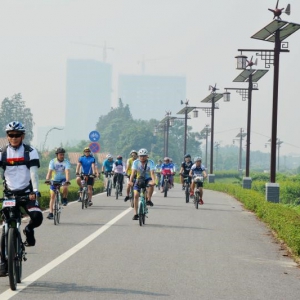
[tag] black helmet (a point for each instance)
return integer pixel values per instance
(60, 150)
(187, 155)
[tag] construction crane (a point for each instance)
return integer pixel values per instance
(143, 60)
(105, 48)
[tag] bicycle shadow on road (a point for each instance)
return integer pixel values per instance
(47, 287)
(176, 227)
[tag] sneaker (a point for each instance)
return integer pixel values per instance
(201, 202)
(79, 200)
(90, 203)
(30, 240)
(149, 203)
(126, 198)
(3, 269)
(183, 187)
(50, 216)
(135, 217)
(65, 202)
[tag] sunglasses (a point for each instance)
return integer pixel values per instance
(87, 151)
(15, 135)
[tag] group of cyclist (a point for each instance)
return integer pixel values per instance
(20, 164)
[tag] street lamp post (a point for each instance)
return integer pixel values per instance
(239, 138)
(277, 31)
(206, 131)
(185, 111)
(252, 76)
(278, 144)
(46, 136)
(213, 98)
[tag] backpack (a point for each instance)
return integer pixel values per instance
(27, 150)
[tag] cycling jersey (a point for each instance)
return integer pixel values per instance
(118, 167)
(86, 164)
(108, 165)
(17, 176)
(186, 167)
(167, 168)
(137, 165)
(129, 165)
(59, 168)
(197, 170)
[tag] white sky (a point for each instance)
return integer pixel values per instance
(198, 39)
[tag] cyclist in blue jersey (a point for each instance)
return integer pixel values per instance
(107, 167)
(197, 170)
(86, 163)
(59, 170)
(143, 168)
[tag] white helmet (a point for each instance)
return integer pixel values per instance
(143, 151)
(197, 159)
(109, 156)
(15, 126)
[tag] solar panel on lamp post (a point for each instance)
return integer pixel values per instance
(277, 31)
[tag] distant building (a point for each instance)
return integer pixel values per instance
(88, 96)
(152, 94)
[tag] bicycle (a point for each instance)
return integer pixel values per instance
(14, 246)
(109, 184)
(118, 185)
(187, 184)
(142, 206)
(84, 193)
(166, 184)
(198, 180)
(57, 207)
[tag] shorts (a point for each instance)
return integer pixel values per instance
(137, 188)
(62, 181)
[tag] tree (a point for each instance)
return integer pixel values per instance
(14, 109)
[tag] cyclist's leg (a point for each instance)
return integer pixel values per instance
(136, 195)
(36, 219)
(121, 178)
(90, 183)
(162, 183)
(150, 191)
(65, 190)
(51, 203)
(192, 188)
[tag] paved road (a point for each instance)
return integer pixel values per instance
(219, 251)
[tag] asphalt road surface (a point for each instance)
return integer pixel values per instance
(220, 251)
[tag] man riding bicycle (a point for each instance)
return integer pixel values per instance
(128, 171)
(86, 163)
(166, 170)
(185, 169)
(119, 171)
(143, 168)
(107, 168)
(59, 170)
(20, 163)
(197, 170)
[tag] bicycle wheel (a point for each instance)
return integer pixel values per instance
(117, 191)
(55, 210)
(131, 197)
(20, 257)
(108, 188)
(166, 188)
(187, 193)
(141, 211)
(196, 200)
(12, 258)
(83, 196)
(144, 214)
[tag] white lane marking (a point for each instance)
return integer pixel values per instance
(8, 294)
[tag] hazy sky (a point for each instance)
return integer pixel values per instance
(198, 39)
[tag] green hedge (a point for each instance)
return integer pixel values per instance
(72, 195)
(284, 220)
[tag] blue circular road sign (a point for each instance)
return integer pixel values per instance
(95, 147)
(94, 136)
